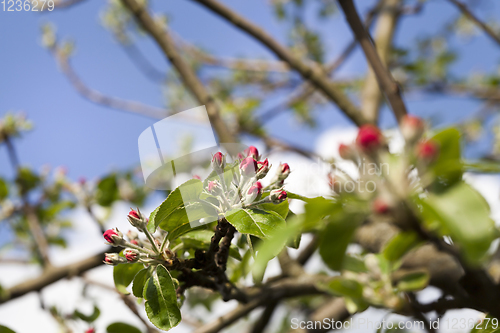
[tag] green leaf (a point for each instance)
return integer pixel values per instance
(140, 281)
(351, 290)
(26, 180)
(463, 214)
(4, 189)
(161, 300)
(182, 195)
(122, 328)
(4, 329)
(123, 275)
(413, 281)
(90, 318)
(336, 237)
(255, 222)
(107, 191)
(272, 246)
(178, 221)
(399, 245)
(354, 264)
(341, 286)
(448, 166)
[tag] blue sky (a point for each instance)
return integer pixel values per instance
(91, 140)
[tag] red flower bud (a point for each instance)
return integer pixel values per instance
(380, 206)
(255, 188)
(108, 236)
(134, 214)
(283, 171)
(369, 138)
(412, 128)
(131, 255)
(248, 166)
(108, 260)
(263, 168)
(113, 259)
(90, 330)
(427, 150)
(347, 152)
(211, 186)
(252, 151)
(136, 220)
(277, 196)
(218, 162)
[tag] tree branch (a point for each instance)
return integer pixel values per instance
(489, 31)
(386, 25)
(42, 246)
(313, 73)
(285, 288)
(54, 274)
(98, 98)
(186, 73)
(384, 77)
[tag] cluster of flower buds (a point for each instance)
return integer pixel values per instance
(375, 182)
(137, 220)
(246, 187)
(135, 250)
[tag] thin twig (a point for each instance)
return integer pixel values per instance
(101, 99)
(186, 73)
(384, 77)
(488, 30)
(41, 243)
(311, 72)
(372, 96)
(306, 90)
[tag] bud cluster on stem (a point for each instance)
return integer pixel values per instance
(245, 190)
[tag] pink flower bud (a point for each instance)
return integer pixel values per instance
(427, 150)
(255, 188)
(347, 152)
(196, 177)
(134, 214)
(137, 220)
(134, 242)
(212, 186)
(113, 237)
(248, 166)
(283, 171)
(131, 255)
(412, 128)
(262, 168)
(335, 183)
(253, 193)
(380, 206)
(218, 162)
(113, 259)
(90, 330)
(252, 151)
(278, 196)
(369, 138)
